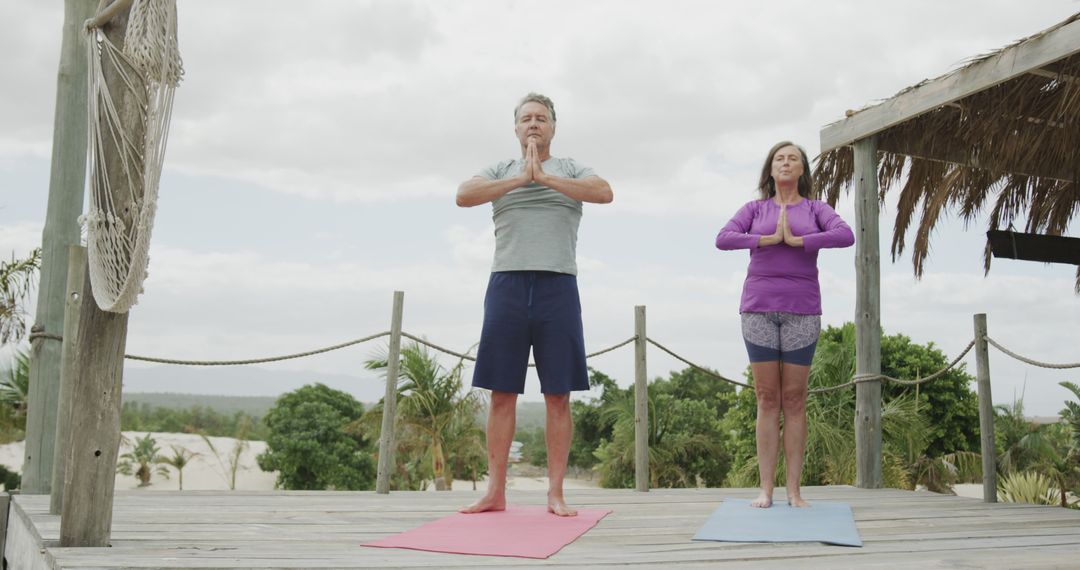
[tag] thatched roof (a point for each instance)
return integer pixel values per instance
(1001, 131)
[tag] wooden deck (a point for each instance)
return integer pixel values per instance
(900, 529)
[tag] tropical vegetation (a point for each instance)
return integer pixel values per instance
(309, 446)
(437, 436)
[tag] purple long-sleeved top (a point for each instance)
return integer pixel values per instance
(782, 278)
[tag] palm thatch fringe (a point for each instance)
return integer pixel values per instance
(1013, 147)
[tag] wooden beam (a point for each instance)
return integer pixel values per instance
(867, 316)
(1034, 247)
(944, 151)
(1009, 63)
(1046, 73)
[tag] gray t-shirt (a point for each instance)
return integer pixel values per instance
(535, 226)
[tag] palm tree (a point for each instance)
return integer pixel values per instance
(672, 451)
(466, 452)
(16, 280)
(429, 401)
(1071, 415)
(140, 461)
(180, 459)
(1021, 444)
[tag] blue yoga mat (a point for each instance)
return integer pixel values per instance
(737, 521)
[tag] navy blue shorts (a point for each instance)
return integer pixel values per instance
(538, 309)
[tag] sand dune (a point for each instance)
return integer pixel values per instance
(207, 473)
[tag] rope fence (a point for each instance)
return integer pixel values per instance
(254, 360)
(856, 379)
(1030, 361)
(868, 399)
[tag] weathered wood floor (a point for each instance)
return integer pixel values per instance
(900, 529)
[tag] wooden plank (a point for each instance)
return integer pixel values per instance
(324, 530)
(867, 316)
(1009, 63)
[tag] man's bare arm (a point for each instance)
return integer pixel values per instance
(591, 189)
(479, 190)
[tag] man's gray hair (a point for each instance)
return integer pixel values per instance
(535, 98)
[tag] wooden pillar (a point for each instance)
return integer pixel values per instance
(867, 316)
(386, 434)
(86, 514)
(76, 274)
(641, 403)
(986, 411)
(61, 230)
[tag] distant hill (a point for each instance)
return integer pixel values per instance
(244, 381)
(529, 414)
(256, 406)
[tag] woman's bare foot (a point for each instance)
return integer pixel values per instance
(557, 505)
(797, 501)
(489, 502)
(763, 501)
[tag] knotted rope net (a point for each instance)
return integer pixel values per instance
(128, 129)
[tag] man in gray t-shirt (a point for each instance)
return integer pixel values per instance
(532, 298)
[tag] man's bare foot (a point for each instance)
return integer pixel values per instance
(763, 501)
(489, 502)
(557, 505)
(797, 501)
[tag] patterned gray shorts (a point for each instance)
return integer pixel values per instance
(784, 337)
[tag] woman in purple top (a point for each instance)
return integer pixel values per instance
(781, 304)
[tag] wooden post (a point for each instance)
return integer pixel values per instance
(641, 403)
(86, 513)
(5, 507)
(867, 316)
(986, 411)
(76, 273)
(66, 183)
(386, 434)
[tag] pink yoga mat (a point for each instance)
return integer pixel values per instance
(525, 532)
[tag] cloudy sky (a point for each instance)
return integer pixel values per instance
(316, 149)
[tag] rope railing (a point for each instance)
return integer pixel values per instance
(641, 341)
(696, 366)
(346, 344)
(1030, 361)
(856, 379)
(254, 360)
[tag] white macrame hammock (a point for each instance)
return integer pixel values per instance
(118, 242)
